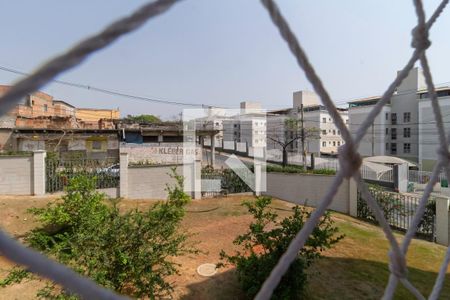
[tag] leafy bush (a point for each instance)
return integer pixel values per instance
(298, 169)
(128, 252)
(230, 181)
(266, 241)
(390, 204)
(427, 222)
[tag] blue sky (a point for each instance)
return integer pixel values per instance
(219, 52)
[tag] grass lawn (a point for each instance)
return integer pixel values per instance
(356, 268)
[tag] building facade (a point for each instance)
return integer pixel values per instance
(406, 126)
(322, 137)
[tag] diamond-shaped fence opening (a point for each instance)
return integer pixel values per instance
(349, 158)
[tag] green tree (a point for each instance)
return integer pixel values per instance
(146, 119)
(129, 252)
(266, 241)
(291, 132)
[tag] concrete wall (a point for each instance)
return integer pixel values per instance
(16, 175)
(149, 182)
(308, 189)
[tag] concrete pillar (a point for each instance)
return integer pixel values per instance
(196, 169)
(258, 177)
(123, 186)
(39, 172)
(353, 197)
(401, 178)
(213, 151)
(442, 223)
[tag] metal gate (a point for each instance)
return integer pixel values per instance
(59, 172)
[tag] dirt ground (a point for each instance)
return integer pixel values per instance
(214, 222)
(357, 268)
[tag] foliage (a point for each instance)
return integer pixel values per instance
(266, 241)
(230, 181)
(128, 252)
(60, 171)
(15, 153)
(16, 275)
(146, 119)
(293, 131)
(298, 169)
(427, 222)
(390, 204)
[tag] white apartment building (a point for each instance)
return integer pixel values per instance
(248, 126)
(213, 119)
(427, 131)
(322, 137)
(406, 126)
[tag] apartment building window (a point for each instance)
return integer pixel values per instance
(406, 148)
(387, 116)
(393, 148)
(324, 132)
(334, 132)
(406, 117)
(387, 131)
(324, 144)
(394, 118)
(387, 146)
(45, 107)
(393, 133)
(339, 132)
(334, 143)
(406, 132)
(324, 120)
(339, 143)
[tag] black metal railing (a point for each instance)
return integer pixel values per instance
(230, 182)
(399, 209)
(58, 172)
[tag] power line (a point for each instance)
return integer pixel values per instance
(110, 92)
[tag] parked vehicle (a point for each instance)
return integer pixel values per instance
(113, 171)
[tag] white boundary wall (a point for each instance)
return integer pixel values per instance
(22, 175)
(308, 189)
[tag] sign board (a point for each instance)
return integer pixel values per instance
(158, 154)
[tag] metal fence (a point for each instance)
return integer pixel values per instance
(399, 209)
(229, 182)
(59, 172)
(423, 177)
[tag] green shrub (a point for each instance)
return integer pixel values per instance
(128, 252)
(265, 242)
(298, 169)
(390, 204)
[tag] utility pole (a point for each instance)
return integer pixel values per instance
(373, 142)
